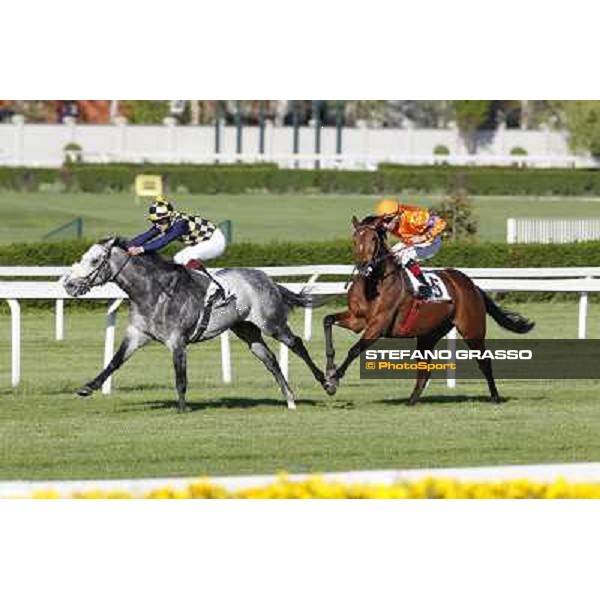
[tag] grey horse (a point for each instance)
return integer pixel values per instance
(176, 306)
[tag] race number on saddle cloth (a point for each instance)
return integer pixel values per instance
(202, 238)
(419, 232)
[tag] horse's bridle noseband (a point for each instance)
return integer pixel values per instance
(90, 279)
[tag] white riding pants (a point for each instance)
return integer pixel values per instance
(205, 250)
(404, 253)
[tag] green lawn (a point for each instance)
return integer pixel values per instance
(256, 217)
(48, 432)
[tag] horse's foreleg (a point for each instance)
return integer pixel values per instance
(372, 333)
(346, 319)
(250, 333)
(133, 340)
(179, 353)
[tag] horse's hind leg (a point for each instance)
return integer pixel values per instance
(132, 341)
(427, 342)
(250, 333)
(286, 336)
(485, 366)
(470, 320)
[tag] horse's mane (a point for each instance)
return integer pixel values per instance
(153, 257)
(375, 220)
(369, 220)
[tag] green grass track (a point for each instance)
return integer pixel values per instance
(46, 432)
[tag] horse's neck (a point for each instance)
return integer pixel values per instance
(128, 271)
(393, 273)
(130, 274)
(120, 266)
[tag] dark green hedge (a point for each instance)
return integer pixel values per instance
(337, 252)
(234, 179)
(340, 252)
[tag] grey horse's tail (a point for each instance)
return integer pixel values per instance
(303, 299)
(505, 318)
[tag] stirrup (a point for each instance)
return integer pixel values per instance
(220, 298)
(424, 292)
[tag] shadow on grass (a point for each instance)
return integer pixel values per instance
(219, 403)
(443, 399)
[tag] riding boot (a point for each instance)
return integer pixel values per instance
(424, 292)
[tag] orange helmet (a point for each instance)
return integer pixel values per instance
(387, 207)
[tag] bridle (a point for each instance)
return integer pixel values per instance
(363, 268)
(89, 281)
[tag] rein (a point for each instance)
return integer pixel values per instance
(90, 278)
(362, 267)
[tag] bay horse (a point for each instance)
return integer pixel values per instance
(381, 304)
(168, 303)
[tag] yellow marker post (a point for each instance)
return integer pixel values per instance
(148, 186)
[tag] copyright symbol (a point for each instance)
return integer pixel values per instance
(370, 365)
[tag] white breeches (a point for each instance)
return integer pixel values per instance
(206, 250)
(405, 253)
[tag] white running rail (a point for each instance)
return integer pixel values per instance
(581, 280)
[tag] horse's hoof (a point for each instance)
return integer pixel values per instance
(85, 391)
(497, 400)
(183, 408)
(411, 402)
(330, 387)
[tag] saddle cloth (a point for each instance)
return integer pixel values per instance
(438, 287)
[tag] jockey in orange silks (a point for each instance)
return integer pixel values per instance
(419, 232)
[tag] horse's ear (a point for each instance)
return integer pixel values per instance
(355, 222)
(111, 240)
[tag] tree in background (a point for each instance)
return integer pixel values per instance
(428, 114)
(371, 112)
(146, 112)
(458, 212)
(470, 116)
(582, 118)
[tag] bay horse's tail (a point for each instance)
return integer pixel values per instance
(303, 299)
(505, 318)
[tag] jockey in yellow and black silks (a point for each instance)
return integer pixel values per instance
(202, 238)
(419, 231)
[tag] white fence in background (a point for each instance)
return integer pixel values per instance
(581, 280)
(33, 144)
(551, 231)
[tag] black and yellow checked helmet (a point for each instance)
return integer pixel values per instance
(161, 208)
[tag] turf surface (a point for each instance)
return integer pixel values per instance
(46, 432)
(256, 217)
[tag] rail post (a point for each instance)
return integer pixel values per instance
(60, 320)
(308, 312)
(583, 310)
(15, 328)
(450, 378)
(225, 357)
(109, 341)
